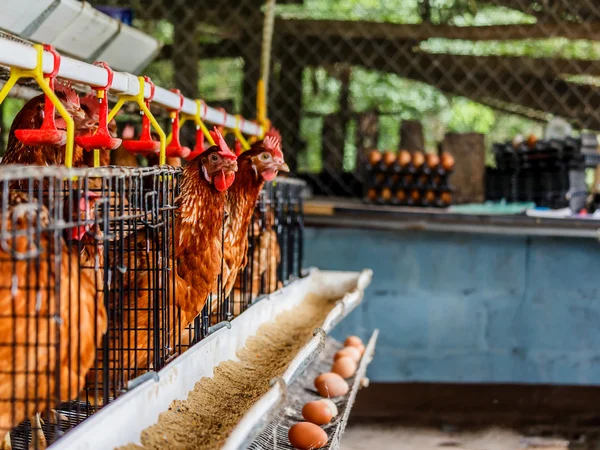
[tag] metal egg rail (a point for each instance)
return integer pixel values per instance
(23, 56)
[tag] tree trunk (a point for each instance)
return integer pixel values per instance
(468, 150)
(367, 134)
(332, 146)
(411, 136)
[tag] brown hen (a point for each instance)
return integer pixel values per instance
(259, 164)
(197, 264)
(43, 337)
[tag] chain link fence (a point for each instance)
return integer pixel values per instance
(351, 75)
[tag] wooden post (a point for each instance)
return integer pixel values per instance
(468, 150)
(411, 136)
(367, 134)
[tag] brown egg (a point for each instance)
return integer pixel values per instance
(331, 385)
(353, 341)
(317, 412)
(345, 366)
(418, 159)
(401, 195)
(389, 158)
(404, 158)
(415, 195)
(447, 161)
(372, 194)
(430, 196)
(380, 178)
(446, 198)
(432, 160)
(531, 141)
(352, 352)
(307, 436)
(374, 157)
(332, 406)
(386, 194)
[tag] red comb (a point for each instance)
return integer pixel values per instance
(220, 142)
(273, 144)
(66, 87)
(238, 147)
(89, 100)
(273, 132)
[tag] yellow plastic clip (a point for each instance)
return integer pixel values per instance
(37, 73)
(197, 118)
(141, 102)
(238, 134)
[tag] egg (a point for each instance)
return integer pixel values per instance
(353, 341)
(386, 194)
(372, 194)
(446, 198)
(447, 161)
(404, 158)
(430, 196)
(415, 195)
(531, 141)
(332, 406)
(344, 366)
(401, 195)
(432, 160)
(389, 158)
(307, 436)
(317, 412)
(374, 157)
(353, 352)
(331, 385)
(418, 159)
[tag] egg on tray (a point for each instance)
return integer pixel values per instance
(344, 366)
(307, 436)
(331, 385)
(352, 352)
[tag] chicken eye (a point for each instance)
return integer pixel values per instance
(266, 156)
(214, 158)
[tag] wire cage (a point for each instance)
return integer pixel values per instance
(73, 295)
(89, 265)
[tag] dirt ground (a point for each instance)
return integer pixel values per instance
(375, 437)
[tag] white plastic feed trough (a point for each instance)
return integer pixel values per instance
(134, 411)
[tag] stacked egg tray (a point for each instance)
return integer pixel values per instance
(550, 173)
(408, 185)
(302, 391)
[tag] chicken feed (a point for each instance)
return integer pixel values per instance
(216, 405)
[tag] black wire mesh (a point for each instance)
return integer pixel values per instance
(351, 75)
(89, 289)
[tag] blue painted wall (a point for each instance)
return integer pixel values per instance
(456, 307)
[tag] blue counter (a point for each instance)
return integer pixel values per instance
(471, 307)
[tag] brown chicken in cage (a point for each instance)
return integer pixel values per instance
(259, 164)
(260, 277)
(196, 263)
(41, 364)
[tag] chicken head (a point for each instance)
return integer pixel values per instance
(269, 162)
(81, 212)
(70, 100)
(219, 163)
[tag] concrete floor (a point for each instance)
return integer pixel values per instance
(379, 437)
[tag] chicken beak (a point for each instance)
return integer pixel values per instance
(284, 168)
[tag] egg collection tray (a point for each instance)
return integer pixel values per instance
(302, 390)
